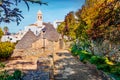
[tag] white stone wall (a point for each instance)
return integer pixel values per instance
(9, 38)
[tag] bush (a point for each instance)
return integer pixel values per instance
(4, 75)
(74, 50)
(2, 65)
(84, 56)
(104, 67)
(6, 49)
(17, 74)
(97, 60)
(116, 69)
(102, 63)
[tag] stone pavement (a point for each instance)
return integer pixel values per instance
(34, 64)
(58, 66)
(68, 67)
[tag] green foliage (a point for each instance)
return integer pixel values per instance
(4, 75)
(6, 49)
(98, 30)
(80, 49)
(84, 56)
(97, 60)
(102, 18)
(115, 76)
(104, 67)
(69, 26)
(2, 65)
(81, 31)
(102, 63)
(60, 28)
(11, 13)
(116, 69)
(5, 28)
(1, 33)
(74, 50)
(17, 74)
(99, 21)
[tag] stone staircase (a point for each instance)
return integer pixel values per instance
(58, 66)
(44, 70)
(68, 67)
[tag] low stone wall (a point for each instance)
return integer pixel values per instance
(25, 52)
(48, 45)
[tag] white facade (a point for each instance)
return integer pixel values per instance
(56, 23)
(35, 28)
(9, 38)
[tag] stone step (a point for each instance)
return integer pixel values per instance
(36, 75)
(60, 77)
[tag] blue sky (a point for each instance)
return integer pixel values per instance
(56, 10)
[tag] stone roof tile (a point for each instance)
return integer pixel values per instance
(26, 41)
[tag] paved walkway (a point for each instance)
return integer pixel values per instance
(32, 63)
(66, 67)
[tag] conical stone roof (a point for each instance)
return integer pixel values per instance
(50, 32)
(26, 41)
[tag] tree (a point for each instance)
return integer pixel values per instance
(103, 25)
(10, 13)
(1, 33)
(102, 18)
(60, 29)
(70, 25)
(5, 30)
(108, 21)
(81, 29)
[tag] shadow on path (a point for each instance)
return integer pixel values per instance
(68, 67)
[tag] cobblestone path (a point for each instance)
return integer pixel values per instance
(68, 67)
(58, 66)
(34, 66)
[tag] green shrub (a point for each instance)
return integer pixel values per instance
(2, 65)
(10, 77)
(6, 49)
(102, 63)
(17, 74)
(104, 67)
(4, 75)
(74, 50)
(84, 56)
(116, 69)
(115, 77)
(97, 60)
